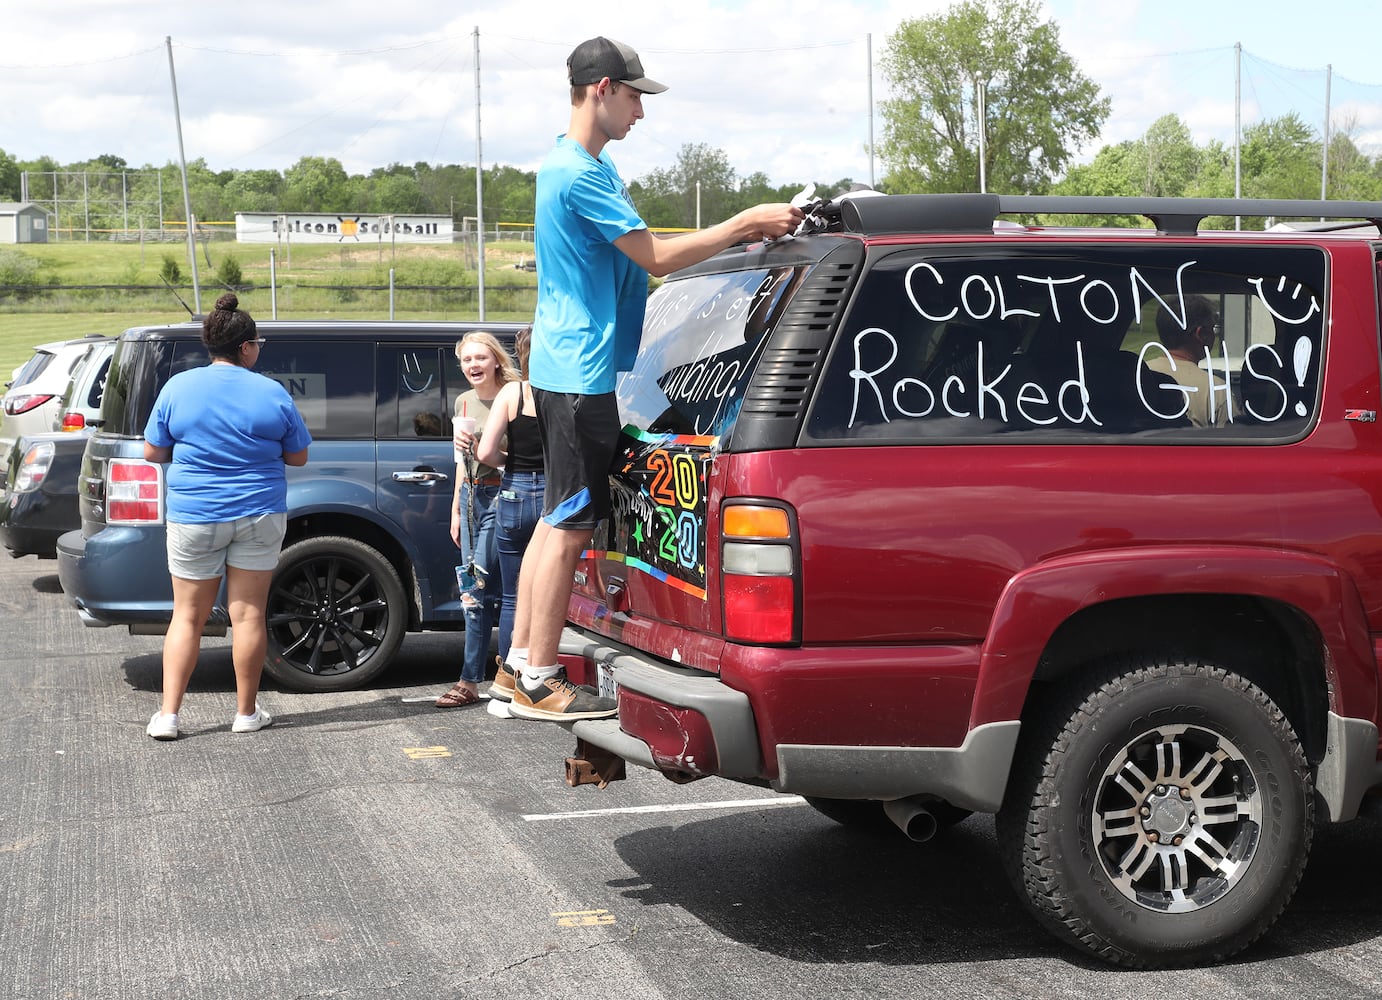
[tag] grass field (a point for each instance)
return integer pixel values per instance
(314, 281)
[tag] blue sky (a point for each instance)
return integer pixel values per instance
(782, 86)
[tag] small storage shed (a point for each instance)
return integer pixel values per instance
(23, 222)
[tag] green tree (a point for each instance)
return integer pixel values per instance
(9, 177)
(702, 173)
(254, 191)
(510, 195)
(1039, 108)
(1353, 176)
(1171, 162)
(1281, 159)
(398, 193)
(315, 184)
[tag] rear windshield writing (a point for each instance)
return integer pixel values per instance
(701, 337)
(1225, 339)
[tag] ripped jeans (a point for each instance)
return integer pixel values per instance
(481, 601)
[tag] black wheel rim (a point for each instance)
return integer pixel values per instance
(327, 615)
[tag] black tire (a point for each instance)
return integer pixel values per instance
(1163, 818)
(336, 615)
(867, 814)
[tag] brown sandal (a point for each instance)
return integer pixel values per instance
(458, 697)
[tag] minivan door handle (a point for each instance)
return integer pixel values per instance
(427, 476)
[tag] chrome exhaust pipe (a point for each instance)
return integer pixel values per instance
(913, 817)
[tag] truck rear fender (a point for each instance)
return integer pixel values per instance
(1330, 628)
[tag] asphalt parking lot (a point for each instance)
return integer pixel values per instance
(371, 846)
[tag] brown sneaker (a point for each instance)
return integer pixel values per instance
(502, 688)
(559, 700)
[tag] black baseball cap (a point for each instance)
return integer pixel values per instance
(597, 58)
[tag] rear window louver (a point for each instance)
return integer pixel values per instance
(775, 403)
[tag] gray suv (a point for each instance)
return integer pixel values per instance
(368, 554)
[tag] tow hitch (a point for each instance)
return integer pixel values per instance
(593, 766)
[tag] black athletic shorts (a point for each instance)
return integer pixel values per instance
(580, 435)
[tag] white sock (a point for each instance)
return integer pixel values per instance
(534, 676)
(517, 659)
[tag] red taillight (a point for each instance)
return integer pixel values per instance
(33, 467)
(760, 609)
(73, 422)
(24, 402)
(758, 569)
(134, 492)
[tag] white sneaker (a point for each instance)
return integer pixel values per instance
(163, 727)
(251, 723)
(498, 709)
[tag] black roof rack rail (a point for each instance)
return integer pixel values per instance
(976, 213)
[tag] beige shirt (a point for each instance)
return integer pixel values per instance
(1207, 409)
(470, 405)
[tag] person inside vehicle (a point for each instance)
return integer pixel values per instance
(1188, 330)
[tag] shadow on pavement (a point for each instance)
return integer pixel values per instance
(788, 882)
(47, 584)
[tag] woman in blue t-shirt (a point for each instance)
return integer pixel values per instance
(228, 434)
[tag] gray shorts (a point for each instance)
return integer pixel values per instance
(203, 551)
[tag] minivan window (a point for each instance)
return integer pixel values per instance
(418, 386)
(332, 382)
(1049, 342)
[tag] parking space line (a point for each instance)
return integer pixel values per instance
(782, 800)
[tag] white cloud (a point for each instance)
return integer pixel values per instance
(781, 85)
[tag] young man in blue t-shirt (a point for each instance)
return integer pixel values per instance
(594, 255)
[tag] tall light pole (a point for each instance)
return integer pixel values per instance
(479, 189)
(982, 117)
(186, 195)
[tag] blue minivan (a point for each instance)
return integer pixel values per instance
(368, 555)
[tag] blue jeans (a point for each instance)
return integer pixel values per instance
(518, 509)
(481, 602)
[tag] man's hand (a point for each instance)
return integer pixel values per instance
(660, 257)
(768, 222)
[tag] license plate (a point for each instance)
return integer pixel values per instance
(604, 676)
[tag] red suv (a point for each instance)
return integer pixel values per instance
(924, 512)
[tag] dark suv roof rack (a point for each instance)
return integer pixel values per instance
(929, 213)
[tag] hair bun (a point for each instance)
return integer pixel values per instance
(228, 302)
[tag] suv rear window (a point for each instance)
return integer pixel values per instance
(701, 339)
(1049, 342)
(32, 368)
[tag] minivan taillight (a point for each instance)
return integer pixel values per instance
(758, 570)
(134, 492)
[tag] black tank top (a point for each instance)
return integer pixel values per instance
(525, 441)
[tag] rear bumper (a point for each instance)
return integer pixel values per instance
(119, 576)
(686, 723)
(31, 523)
